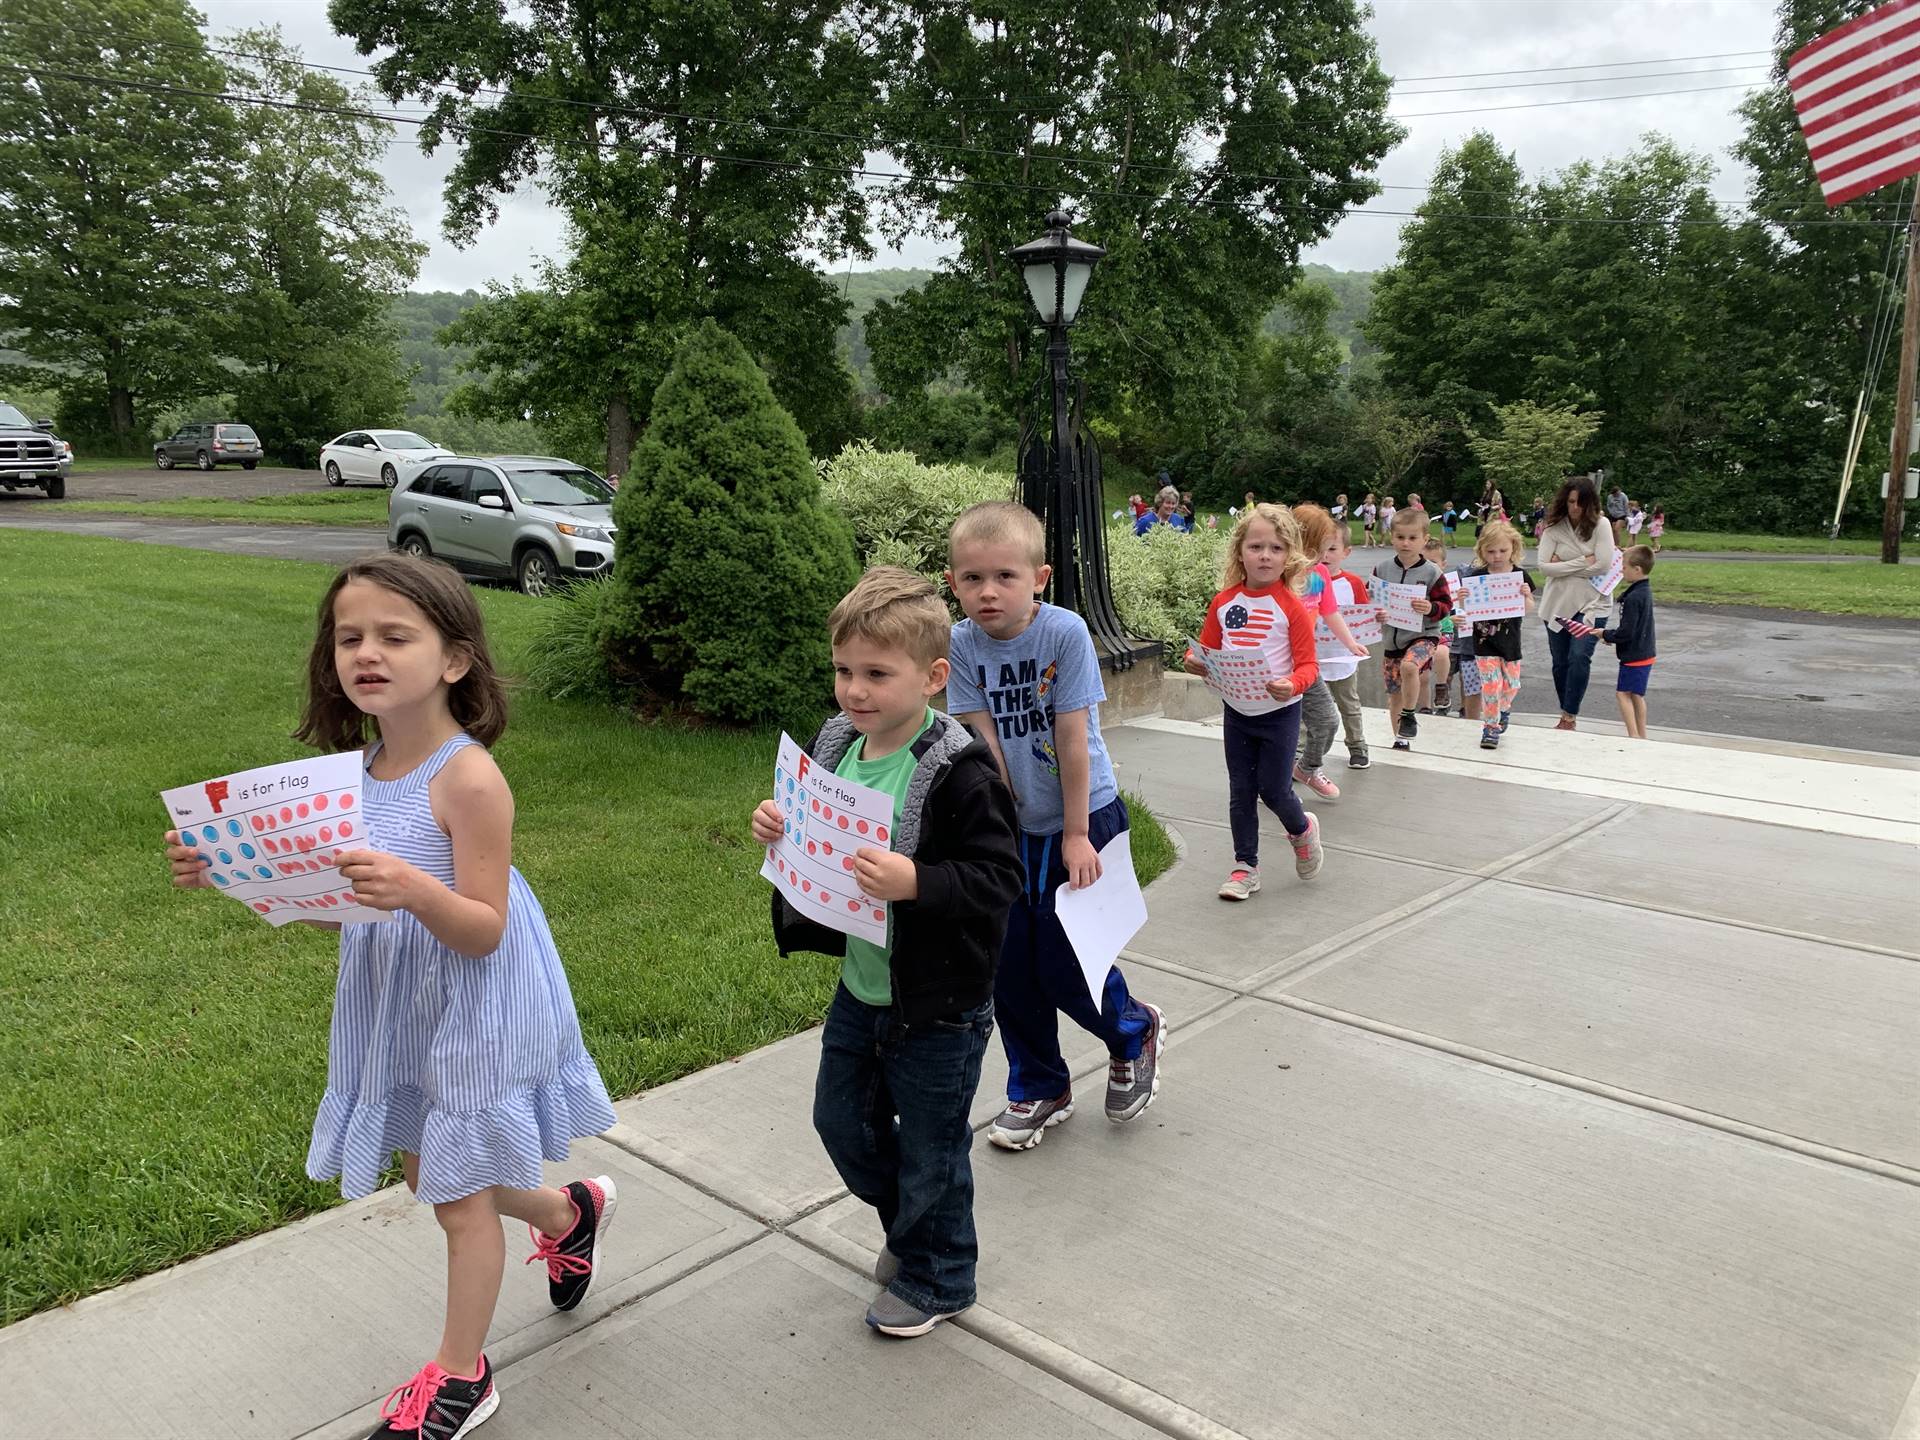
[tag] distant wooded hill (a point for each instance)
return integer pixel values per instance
(421, 315)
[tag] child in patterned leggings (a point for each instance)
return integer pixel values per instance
(1496, 643)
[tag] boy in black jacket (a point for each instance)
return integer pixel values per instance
(1631, 636)
(909, 1023)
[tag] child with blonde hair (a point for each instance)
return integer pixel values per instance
(1260, 609)
(1496, 643)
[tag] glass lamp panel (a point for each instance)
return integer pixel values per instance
(1072, 291)
(1041, 285)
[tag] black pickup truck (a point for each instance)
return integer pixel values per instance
(32, 457)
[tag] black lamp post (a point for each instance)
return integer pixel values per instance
(1060, 466)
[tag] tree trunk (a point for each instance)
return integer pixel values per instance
(120, 416)
(619, 434)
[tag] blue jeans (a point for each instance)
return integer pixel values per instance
(1260, 751)
(1572, 659)
(1040, 977)
(891, 1106)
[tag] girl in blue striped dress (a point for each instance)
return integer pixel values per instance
(454, 1037)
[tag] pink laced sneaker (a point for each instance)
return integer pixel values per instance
(406, 1405)
(1316, 781)
(434, 1405)
(571, 1258)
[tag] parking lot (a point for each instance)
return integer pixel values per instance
(145, 482)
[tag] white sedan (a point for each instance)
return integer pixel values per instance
(381, 457)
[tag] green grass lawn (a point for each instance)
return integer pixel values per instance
(1710, 540)
(1845, 589)
(306, 507)
(163, 1051)
(96, 464)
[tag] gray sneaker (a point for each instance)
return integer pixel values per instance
(1132, 1084)
(1308, 855)
(1023, 1124)
(891, 1315)
(886, 1267)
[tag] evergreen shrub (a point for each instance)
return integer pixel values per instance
(728, 561)
(902, 510)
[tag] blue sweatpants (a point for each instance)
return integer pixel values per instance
(1040, 978)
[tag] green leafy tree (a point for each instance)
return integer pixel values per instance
(1202, 145)
(319, 262)
(728, 561)
(1531, 447)
(115, 216)
(696, 151)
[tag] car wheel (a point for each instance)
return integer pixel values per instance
(203, 460)
(163, 460)
(415, 544)
(388, 477)
(333, 473)
(249, 464)
(535, 571)
(56, 489)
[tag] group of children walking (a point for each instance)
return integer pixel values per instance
(455, 1042)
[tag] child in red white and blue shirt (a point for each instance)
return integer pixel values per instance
(1261, 609)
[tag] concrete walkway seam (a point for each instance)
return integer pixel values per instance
(1779, 1140)
(1907, 1426)
(1097, 1382)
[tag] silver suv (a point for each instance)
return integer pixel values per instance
(529, 518)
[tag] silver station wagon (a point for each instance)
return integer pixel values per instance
(531, 519)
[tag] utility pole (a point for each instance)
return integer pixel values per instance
(1894, 513)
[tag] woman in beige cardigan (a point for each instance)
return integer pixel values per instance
(1575, 549)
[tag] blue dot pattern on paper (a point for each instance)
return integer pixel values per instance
(234, 828)
(240, 876)
(220, 880)
(263, 872)
(247, 850)
(225, 858)
(210, 834)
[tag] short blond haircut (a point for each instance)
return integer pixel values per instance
(999, 522)
(1498, 530)
(1410, 517)
(896, 610)
(1286, 527)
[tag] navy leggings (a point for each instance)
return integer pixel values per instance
(1260, 751)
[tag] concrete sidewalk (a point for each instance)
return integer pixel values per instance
(1559, 1105)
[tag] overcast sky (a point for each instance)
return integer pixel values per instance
(1462, 40)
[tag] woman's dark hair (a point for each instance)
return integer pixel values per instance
(1583, 486)
(478, 699)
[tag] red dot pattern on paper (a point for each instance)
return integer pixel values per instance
(879, 914)
(880, 833)
(861, 827)
(853, 904)
(319, 802)
(346, 802)
(846, 862)
(843, 822)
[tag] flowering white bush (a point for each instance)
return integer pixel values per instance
(1162, 581)
(902, 510)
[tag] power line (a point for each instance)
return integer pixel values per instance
(760, 162)
(611, 107)
(1580, 100)
(1596, 65)
(1577, 80)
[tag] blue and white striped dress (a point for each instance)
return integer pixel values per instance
(476, 1066)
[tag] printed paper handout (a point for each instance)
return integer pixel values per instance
(1102, 917)
(1363, 622)
(1490, 597)
(1396, 605)
(272, 836)
(827, 819)
(1236, 674)
(1605, 583)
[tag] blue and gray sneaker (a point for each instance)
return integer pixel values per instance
(891, 1315)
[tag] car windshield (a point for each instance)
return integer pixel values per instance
(11, 416)
(236, 432)
(561, 487)
(402, 440)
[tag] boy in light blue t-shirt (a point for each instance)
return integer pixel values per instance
(1025, 676)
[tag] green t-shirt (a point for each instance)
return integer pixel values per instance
(867, 971)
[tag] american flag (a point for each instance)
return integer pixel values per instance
(1857, 92)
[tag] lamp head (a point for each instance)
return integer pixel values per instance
(1056, 268)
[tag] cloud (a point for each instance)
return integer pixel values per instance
(1417, 38)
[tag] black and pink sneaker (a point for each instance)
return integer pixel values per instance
(573, 1258)
(434, 1405)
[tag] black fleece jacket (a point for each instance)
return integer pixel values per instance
(958, 824)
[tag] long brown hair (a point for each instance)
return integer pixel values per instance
(478, 699)
(1583, 486)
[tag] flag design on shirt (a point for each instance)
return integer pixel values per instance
(1245, 629)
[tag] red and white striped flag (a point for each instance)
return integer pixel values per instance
(1857, 92)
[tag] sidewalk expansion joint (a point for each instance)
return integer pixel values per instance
(1779, 1140)
(1107, 1387)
